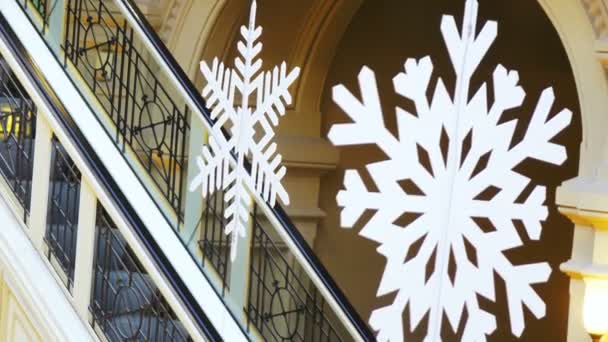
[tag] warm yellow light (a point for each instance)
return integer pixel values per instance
(595, 307)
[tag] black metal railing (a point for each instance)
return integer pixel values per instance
(104, 51)
(213, 242)
(282, 302)
(145, 117)
(62, 217)
(17, 132)
(42, 7)
(126, 305)
(285, 223)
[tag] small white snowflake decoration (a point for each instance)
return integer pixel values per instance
(463, 196)
(263, 97)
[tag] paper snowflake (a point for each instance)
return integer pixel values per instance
(263, 96)
(451, 171)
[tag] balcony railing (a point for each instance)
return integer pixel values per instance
(126, 304)
(62, 219)
(66, 219)
(144, 115)
(158, 120)
(17, 124)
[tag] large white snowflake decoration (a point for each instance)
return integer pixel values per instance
(451, 193)
(270, 91)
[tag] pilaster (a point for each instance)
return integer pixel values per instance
(585, 202)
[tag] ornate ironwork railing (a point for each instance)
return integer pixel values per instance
(62, 218)
(17, 132)
(213, 242)
(42, 7)
(282, 303)
(126, 305)
(145, 103)
(144, 115)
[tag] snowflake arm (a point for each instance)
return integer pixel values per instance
(467, 50)
(267, 173)
(237, 211)
(219, 92)
(537, 141)
(214, 169)
(274, 90)
(367, 116)
(247, 65)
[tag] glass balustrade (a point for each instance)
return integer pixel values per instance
(17, 132)
(274, 289)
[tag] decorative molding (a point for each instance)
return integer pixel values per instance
(595, 219)
(309, 153)
(316, 47)
(597, 11)
(153, 10)
(598, 15)
(174, 11)
(580, 270)
(306, 213)
(33, 285)
(584, 199)
(17, 324)
(601, 51)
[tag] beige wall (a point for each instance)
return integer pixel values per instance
(15, 323)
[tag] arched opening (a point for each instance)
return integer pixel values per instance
(382, 35)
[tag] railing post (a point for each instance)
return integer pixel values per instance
(40, 182)
(194, 201)
(85, 248)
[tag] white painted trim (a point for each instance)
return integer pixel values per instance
(40, 184)
(136, 194)
(33, 283)
(85, 248)
(582, 269)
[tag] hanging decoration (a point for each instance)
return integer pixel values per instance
(250, 120)
(451, 170)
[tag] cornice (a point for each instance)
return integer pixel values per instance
(152, 10)
(595, 219)
(173, 15)
(601, 51)
(584, 270)
(597, 11)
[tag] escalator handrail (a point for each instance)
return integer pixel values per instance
(136, 17)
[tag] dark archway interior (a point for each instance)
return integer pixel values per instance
(382, 36)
